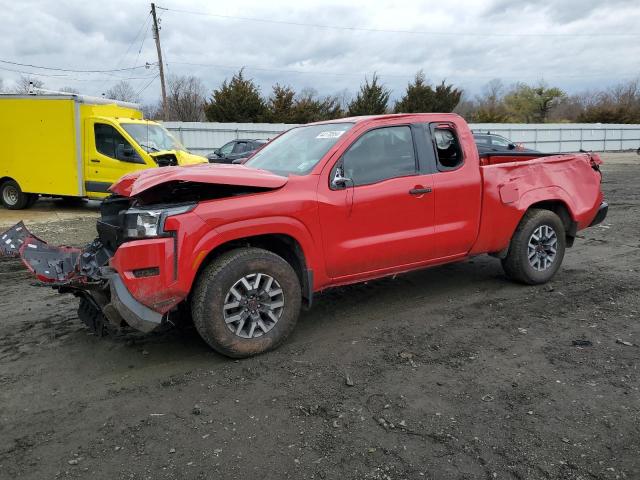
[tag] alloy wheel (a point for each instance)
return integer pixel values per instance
(542, 247)
(253, 305)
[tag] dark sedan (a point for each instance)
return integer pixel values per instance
(490, 142)
(234, 150)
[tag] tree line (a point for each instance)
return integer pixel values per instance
(239, 99)
(541, 103)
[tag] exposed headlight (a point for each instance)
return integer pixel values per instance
(146, 223)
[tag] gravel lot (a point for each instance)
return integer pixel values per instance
(456, 373)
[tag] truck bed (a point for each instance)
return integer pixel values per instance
(514, 182)
(495, 158)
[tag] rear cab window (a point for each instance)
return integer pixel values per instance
(446, 145)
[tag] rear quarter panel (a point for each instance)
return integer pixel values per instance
(511, 188)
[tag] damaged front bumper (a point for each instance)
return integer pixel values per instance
(83, 272)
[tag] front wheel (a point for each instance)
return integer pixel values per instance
(537, 248)
(246, 302)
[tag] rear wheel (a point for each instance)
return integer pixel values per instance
(537, 248)
(246, 302)
(13, 197)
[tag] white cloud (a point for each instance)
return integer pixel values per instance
(92, 35)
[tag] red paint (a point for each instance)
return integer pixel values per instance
(357, 233)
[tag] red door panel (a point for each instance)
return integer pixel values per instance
(378, 226)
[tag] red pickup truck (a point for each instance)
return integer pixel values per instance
(243, 247)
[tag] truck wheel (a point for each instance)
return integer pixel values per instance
(246, 302)
(93, 318)
(13, 197)
(537, 248)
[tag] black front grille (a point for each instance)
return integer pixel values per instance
(111, 224)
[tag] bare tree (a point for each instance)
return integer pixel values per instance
(26, 82)
(186, 98)
(152, 111)
(123, 91)
(69, 90)
(490, 106)
(619, 104)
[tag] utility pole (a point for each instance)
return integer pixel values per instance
(156, 36)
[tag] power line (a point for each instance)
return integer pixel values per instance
(124, 69)
(362, 74)
(62, 76)
(147, 85)
(144, 24)
(456, 33)
(144, 37)
(135, 38)
(281, 70)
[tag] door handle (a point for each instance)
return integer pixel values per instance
(93, 160)
(419, 191)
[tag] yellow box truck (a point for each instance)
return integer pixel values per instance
(67, 145)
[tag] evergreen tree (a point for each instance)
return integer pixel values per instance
(238, 100)
(420, 97)
(281, 104)
(372, 99)
(308, 107)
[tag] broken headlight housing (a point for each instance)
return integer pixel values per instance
(149, 222)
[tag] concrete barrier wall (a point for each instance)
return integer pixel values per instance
(203, 137)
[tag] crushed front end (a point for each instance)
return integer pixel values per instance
(126, 276)
(140, 268)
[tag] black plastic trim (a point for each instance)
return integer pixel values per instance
(102, 187)
(308, 287)
(601, 215)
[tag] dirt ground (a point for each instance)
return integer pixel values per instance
(457, 373)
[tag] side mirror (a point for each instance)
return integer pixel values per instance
(339, 181)
(512, 146)
(217, 152)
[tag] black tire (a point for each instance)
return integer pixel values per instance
(93, 317)
(517, 265)
(12, 196)
(215, 283)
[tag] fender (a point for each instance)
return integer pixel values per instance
(276, 225)
(546, 194)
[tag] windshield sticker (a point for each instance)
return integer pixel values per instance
(330, 134)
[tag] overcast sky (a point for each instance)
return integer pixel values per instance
(574, 44)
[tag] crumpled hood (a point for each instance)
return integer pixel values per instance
(137, 182)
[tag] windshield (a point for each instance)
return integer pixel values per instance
(298, 150)
(153, 138)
